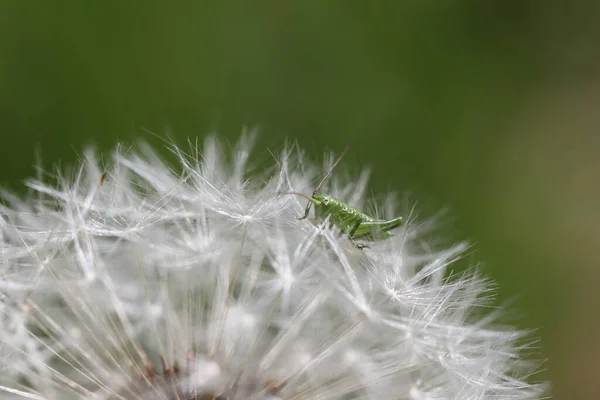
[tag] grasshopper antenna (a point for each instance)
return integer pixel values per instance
(316, 191)
(298, 194)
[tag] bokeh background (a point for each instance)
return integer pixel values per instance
(486, 108)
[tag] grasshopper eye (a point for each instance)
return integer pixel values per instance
(325, 201)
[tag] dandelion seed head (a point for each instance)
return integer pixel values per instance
(197, 281)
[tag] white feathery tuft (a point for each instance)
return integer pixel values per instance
(200, 283)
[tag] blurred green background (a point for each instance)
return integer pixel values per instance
(487, 108)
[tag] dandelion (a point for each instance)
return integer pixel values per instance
(199, 282)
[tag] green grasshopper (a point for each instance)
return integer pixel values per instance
(358, 225)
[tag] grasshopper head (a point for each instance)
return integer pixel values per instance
(324, 205)
(322, 200)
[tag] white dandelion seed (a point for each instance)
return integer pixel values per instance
(152, 283)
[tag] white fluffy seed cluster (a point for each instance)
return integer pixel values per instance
(200, 283)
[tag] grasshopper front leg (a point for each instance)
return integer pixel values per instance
(311, 200)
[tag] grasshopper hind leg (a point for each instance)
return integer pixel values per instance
(359, 246)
